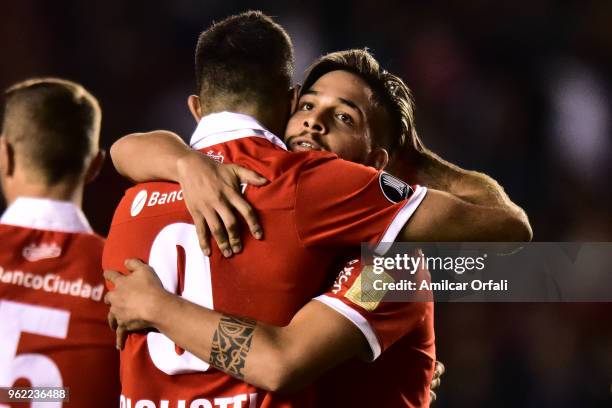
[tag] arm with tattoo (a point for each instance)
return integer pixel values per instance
(274, 358)
(231, 344)
(270, 357)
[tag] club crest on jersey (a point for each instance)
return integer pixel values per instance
(35, 252)
(139, 202)
(217, 157)
(394, 189)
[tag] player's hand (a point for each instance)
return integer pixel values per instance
(407, 161)
(436, 380)
(212, 193)
(121, 332)
(133, 299)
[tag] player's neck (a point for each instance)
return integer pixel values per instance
(273, 122)
(273, 118)
(20, 186)
(266, 117)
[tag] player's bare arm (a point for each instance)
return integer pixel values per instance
(472, 207)
(148, 156)
(280, 359)
(461, 205)
(442, 217)
(420, 165)
(271, 357)
(167, 157)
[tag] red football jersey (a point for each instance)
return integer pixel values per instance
(53, 326)
(314, 207)
(401, 337)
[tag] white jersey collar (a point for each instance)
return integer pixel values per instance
(225, 126)
(46, 214)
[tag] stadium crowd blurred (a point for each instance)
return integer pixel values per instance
(520, 90)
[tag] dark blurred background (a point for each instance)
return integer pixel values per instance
(519, 90)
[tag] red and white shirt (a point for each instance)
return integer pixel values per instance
(402, 341)
(315, 207)
(53, 326)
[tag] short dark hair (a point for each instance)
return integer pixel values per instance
(54, 126)
(389, 92)
(246, 58)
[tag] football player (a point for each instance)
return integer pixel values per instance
(52, 317)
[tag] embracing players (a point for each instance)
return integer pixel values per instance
(313, 206)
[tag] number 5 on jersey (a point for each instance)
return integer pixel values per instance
(38, 369)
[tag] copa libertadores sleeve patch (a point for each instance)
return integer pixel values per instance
(394, 189)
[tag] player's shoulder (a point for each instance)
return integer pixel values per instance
(312, 157)
(332, 163)
(331, 176)
(15, 233)
(149, 199)
(50, 249)
(83, 256)
(13, 236)
(7, 230)
(150, 185)
(328, 163)
(90, 241)
(273, 161)
(80, 247)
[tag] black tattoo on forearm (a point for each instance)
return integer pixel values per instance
(231, 345)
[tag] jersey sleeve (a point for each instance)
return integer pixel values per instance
(381, 322)
(340, 203)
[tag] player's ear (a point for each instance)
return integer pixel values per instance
(194, 107)
(95, 165)
(7, 157)
(378, 158)
(294, 95)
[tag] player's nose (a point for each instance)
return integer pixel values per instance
(315, 122)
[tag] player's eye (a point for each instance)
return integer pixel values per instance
(345, 118)
(306, 106)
